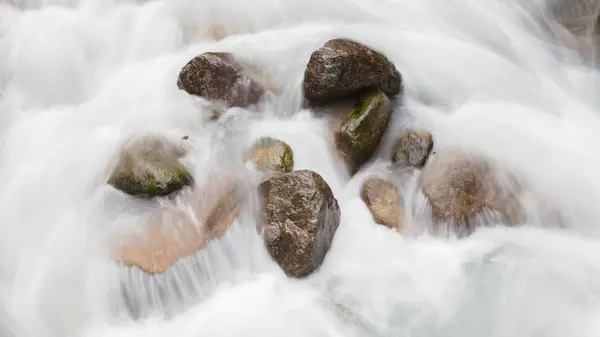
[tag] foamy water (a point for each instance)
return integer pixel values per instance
(78, 77)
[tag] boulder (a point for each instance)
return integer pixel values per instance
(149, 166)
(413, 148)
(300, 217)
(361, 130)
(384, 202)
(272, 155)
(459, 185)
(219, 77)
(172, 233)
(343, 68)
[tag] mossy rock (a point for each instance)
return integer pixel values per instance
(149, 167)
(270, 154)
(362, 129)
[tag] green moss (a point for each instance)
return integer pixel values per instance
(164, 180)
(287, 159)
(363, 127)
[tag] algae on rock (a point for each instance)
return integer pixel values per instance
(270, 154)
(362, 129)
(149, 166)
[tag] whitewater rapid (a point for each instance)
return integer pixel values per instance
(78, 77)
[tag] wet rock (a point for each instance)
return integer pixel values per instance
(300, 217)
(361, 130)
(270, 154)
(460, 185)
(343, 68)
(219, 77)
(149, 167)
(172, 233)
(413, 148)
(384, 202)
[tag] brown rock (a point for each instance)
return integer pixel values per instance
(343, 68)
(384, 202)
(459, 185)
(300, 217)
(361, 130)
(413, 148)
(219, 77)
(172, 233)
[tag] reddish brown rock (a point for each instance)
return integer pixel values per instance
(219, 77)
(343, 68)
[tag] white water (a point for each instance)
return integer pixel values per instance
(78, 77)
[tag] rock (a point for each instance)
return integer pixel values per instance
(172, 233)
(300, 216)
(384, 202)
(270, 154)
(413, 148)
(219, 77)
(361, 130)
(343, 68)
(148, 167)
(459, 185)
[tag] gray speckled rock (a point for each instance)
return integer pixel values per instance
(413, 148)
(343, 68)
(300, 216)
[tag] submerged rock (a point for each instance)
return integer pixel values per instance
(219, 77)
(343, 68)
(149, 166)
(413, 148)
(362, 128)
(384, 202)
(172, 233)
(270, 154)
(300, 216)
(459, 186)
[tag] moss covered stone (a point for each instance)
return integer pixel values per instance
(362, 128)
(270, 154)
(149, 167)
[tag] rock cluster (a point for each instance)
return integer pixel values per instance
(299, 214)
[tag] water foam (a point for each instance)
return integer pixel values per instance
(78, 77)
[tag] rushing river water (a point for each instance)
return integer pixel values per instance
(77, 77)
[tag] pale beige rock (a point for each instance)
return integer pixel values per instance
(384, 202)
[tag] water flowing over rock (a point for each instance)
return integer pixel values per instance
(172, 233)
(361, 130)
(384, 202)
(343, 68)
(219, 77)
(301, 216)
(413, 148)
(149, 166)
(270, 154)
(460, 185)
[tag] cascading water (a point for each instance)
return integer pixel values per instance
(78, 77)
